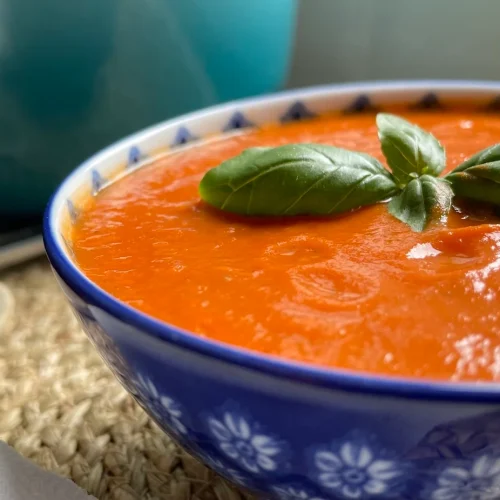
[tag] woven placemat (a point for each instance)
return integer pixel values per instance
(61, 407)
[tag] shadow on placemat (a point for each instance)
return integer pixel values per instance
(61, 407)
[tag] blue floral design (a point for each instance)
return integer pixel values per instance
(242, 441)
(228, 472)
(459, 440)
(284, 492)
(165, 409)
(353, 469)
(474, 480)
(107, 348)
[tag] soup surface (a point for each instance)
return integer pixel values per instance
(360, 291)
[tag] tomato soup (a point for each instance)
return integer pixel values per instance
(360, 291)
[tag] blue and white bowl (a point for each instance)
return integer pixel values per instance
(285, 429)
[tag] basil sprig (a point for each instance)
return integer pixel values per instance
(479, 182)
(416, 159)
(478, 178)
(487, 155)
(316, 179)
(297, 179)
(423, 199)
(410, 151)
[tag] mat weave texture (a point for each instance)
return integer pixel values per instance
(61, 407)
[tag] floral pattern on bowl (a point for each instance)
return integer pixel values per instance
(164, 409)
(356, 468)
(244, 442)
(478, 479)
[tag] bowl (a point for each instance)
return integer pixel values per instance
(284, 429)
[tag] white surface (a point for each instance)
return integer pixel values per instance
(23, 480)
(340, 40)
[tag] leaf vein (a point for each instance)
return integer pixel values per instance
(348, 193)
(265, 172)
(312, 186)
(403, 155)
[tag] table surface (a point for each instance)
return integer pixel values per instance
(61, 407)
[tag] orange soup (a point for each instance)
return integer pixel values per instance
(360, 291)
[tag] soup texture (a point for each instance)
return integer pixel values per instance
(360, 291)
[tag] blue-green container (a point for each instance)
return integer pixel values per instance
(76, 76)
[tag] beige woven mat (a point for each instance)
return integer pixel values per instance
(61, 407)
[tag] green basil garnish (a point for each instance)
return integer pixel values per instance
(479, 182)
(487, 155)
(215, 187)
(489, 171)
(410, 151)
(296, 179)
(422, 199)
(315, 179)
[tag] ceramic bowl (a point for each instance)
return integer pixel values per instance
(285, 429)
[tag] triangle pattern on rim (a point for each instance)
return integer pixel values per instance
(429, 101)
(68, 246)
(297, 111)
(97, 182)
(72, 211)
(361, 104)
(494, 105)
(237, 121)
(183, 136)
(134, 156)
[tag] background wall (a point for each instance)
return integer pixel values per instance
(342, 40)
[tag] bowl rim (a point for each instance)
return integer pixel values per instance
(329, 378)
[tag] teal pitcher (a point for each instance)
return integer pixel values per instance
(76, 76)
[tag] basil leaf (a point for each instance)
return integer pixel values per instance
(296, 179)
(215, 186)
(410, 151)
(487, 155)
(490, 171)
(422, 199)
(479, 182)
